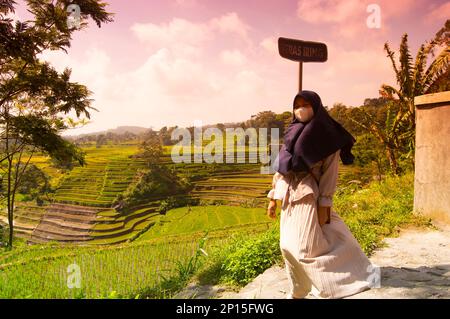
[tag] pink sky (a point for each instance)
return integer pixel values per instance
(172, 62)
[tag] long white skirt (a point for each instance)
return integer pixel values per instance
(326, 261)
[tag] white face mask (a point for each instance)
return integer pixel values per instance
(304, 114)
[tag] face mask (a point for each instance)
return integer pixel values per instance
(304, 114)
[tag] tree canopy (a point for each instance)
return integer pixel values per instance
(37, 101)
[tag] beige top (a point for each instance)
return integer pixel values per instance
(295, 186)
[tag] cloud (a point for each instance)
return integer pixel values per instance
(346, 18)
(177, 30)
(270, 44)
(186, 87)
(168, 88)
(337, 11)
(233, 57)
(350, 75)
(363, 61)
(192, 71)
(439, 13)
(320, 11)
(349, 18)
(188, 38)
(231, 22)
(399, 8)
(178, 77)
(94, 66)
(179, 34)
(186, 3)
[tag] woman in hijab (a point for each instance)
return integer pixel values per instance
(321, 255)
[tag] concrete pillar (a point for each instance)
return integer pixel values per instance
(432, 156)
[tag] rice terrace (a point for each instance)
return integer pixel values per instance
(108, 192)
(78, 224)
(79, 211)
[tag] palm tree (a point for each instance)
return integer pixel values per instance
(414, 78)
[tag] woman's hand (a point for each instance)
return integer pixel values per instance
(271, 210)
(323, 213)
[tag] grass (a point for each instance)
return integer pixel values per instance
(124, 269)
(185, 220)
(149, 269)
(161, 259)
(378, 210)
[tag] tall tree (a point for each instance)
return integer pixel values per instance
(413, 78)
(151, 148)
(35, 99)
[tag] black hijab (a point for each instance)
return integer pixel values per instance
(307, 143)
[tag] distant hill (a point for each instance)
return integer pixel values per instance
(118, 130)
(130, 129)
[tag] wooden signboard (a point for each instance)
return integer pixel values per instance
(302, 51)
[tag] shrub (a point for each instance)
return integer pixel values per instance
(212, 202)
(379, 209)
(34, 182)
(174, 202)
(252, 257)
(153, 182)
(253, 203)
(39, 201)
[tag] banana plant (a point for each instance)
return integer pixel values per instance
(413, 78)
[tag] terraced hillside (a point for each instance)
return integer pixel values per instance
(26, 219)
(108, 173)
(198, 219)
(81, 209)
(76, 224)
(40, 272)
(247, 187)
(138, 267)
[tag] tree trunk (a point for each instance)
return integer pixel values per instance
(392, 160)
(379, 169)
(11, 229)
(10, 208)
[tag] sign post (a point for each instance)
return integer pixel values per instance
(302, 51)
(300, 75)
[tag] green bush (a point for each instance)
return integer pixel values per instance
(153, 182)
(34, 182)
(166, 204)
(379, 209)
(212, 202)
(253, 203)
(252, 257)
(175, 202)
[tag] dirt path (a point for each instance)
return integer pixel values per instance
(416, 264)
